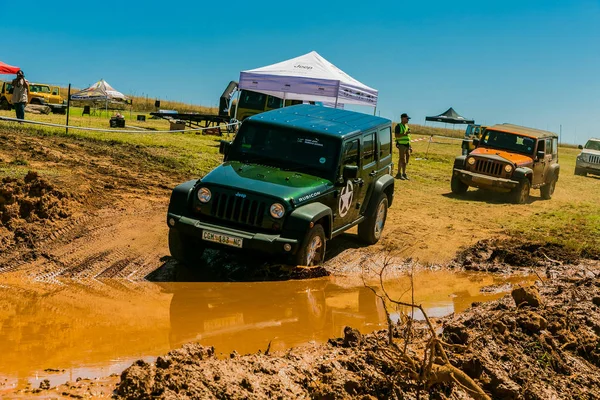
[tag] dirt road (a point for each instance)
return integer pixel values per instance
(103, 207)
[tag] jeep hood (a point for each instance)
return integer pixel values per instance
(267, 180)
(590, 151)
(517, 159)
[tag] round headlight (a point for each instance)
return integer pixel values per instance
(204, 195)
(277, 211)
(508, 168)
(470, 160)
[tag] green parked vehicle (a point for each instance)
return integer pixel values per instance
(292, 179)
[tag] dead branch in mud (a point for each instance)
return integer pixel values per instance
(434, 366)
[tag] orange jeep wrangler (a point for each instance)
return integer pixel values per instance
(510, 158)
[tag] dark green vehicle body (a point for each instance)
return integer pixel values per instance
(325, 167)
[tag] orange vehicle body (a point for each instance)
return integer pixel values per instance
(509, 158)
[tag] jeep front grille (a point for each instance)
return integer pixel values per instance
(489, 167)
(237, 209)
(593, 159)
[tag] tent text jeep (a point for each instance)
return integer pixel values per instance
(510, 158)
(292, 179)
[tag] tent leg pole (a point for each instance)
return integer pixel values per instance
(237, 103)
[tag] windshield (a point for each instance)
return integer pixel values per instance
(285, 148)
(593, 145)
(508, 141)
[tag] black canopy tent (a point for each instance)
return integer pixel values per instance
(450, 117)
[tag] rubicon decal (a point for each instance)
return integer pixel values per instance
(309, 196)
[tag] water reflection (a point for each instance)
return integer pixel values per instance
(97, 328)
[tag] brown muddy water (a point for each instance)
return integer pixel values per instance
(64, 330)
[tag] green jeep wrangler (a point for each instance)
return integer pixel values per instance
(292, 179)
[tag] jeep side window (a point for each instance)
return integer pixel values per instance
(549, 146)
(385, 142)
(350, 155)
(368, 153)
(555, 147)
(274, 102)
(252, 100)
(541, 145)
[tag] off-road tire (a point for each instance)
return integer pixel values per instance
(548, 189)
(580, 172)
(4, 104)
(185, 249)
(370, 230)
(314, 237)
(457, 186)
(520, 194)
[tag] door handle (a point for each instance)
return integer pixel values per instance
(358, 181)
(373, 173)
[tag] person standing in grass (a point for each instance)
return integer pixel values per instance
(402, 135)
(20, 94)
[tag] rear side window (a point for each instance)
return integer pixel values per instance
(274, 102)
(385, 142)
(368, 154)
(549, 148)
(252, 100)
(350, 154)
(555, 146)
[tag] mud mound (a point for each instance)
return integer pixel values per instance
(495, 255)
(547, 348)
(544, 352)
(26, 204)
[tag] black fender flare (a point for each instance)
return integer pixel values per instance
(522, 173)
(459, 162)
(380, 186)
(181, 198)
(299, 220)
(554, 170)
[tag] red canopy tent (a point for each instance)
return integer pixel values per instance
(8, 69)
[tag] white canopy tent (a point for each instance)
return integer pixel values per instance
(99, 91)
(309, 77)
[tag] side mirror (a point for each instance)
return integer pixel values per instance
(541, 154)
(224, 147)
(350, 172)
(475, 142)
(580, 147)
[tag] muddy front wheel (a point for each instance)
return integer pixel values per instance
(520, 194)
(457, 186)
(185, 249)
(312, 250)
(580, 172)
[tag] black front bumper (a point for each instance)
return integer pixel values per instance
(485, 181)
(267, 243)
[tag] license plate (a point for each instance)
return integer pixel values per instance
(479, 179)
(222, 239)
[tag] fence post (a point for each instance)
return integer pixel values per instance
(68, 108)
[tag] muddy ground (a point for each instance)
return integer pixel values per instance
(540, 342)
(89, 210)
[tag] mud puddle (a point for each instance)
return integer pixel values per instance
(72, 330)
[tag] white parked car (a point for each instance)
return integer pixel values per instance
(588, 161)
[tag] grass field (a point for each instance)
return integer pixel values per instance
(425, 213)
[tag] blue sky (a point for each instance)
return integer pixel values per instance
(535, 63)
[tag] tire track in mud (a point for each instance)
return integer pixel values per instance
(114, 242)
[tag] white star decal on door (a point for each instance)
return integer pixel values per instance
(346, 199)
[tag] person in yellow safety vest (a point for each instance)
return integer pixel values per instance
(402, 135)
